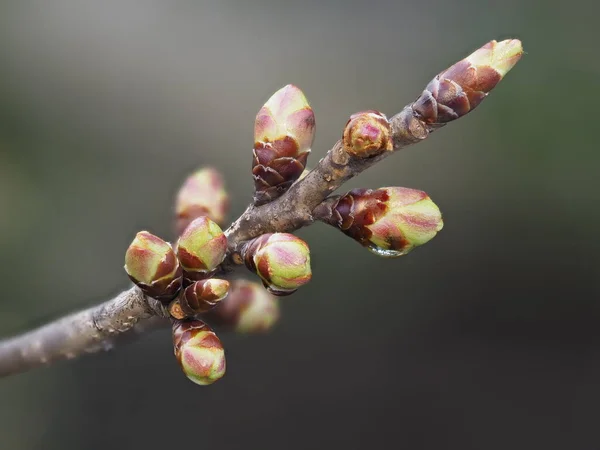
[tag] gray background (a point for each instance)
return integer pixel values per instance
(487, 338)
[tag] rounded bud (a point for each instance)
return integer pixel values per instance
(281, 260)
(202, 194)
(367, 133)
(283, 134)
(201, 248)
(389, 221)
(152, 265)
(248, 308)
(199, 351)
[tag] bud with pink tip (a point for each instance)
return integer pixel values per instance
(283, 134)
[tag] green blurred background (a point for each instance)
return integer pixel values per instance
(487, 338)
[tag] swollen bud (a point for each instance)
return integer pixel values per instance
(460, 88)
(199, 351)
(248, 308)
(367, 133)
(201, 248)
(283, 134)
(389, 221)
(202, 194)
(152, 265)
(281, 260)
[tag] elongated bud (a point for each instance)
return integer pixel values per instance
(248, 308)
(201, 248)
(283, 134)
(199, 297)
(202, 194)
(281, 260)
(199, 351)
(203, 295)
(151, 264)
(389, 221)
(460, 88)
(367, 133)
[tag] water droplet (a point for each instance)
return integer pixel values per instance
(387, 253)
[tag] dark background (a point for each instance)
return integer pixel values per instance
(487, 338)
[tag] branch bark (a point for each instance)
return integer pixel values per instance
(88, 331)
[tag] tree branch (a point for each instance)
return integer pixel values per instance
(88, 331)
(450, 95)
(293, 210)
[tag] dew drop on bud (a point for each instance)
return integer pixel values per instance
(386, 253)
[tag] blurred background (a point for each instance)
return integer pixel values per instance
(486, 338)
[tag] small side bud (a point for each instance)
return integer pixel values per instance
(203, 295)
(281, 260)
(199, 351)
(367, 133)
(249, 308)
(460, 88)
(283, 134)
(202, 194)
(388, 221)
(152, 265)
(201, 248)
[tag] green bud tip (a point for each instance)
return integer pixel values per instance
(389, 221)
(199, 351)
(283, 134)
(459, 89)
(152, 265)
(201, 248)
(202, 194)
(281, 260)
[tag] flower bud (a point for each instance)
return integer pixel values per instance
(248, 308)
(389, 221)
(283, 134)
(152, 265)
(203, 295)
(201, 248)
(199, 351)
(202, 194)
(281, 260)
(367, 133)
(460, 88)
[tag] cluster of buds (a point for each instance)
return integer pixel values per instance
(160, 271)
(389, 221)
